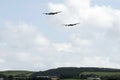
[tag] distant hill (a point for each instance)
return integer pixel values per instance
(72, 72)
(62, 72)
(16, 73)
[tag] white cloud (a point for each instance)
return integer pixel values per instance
(81, 42)
(81, 11)
(24, 57)
(41, 41)
(2, 61)
(101, 16)
(97, 33)
(63, 47)
(94, 43)
(88, 61)
(96, 61)
(21, 43)
(60, 7)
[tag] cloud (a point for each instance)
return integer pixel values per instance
(97, 61)
(29, 49)
(63, 47)
(21, 42)
(81, 11)
(89, 61)
(98, 34)
(41, 40)
(95, 42)
(2, 61)
(80, 41)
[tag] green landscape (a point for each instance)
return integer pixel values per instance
(65, 73)
(17, 73)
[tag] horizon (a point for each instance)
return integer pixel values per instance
(59, 68)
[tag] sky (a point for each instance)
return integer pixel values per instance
(30, 40)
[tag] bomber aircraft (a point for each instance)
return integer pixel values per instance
(71, 24)
(52, 13)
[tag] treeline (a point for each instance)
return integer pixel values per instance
(102, 75)
(11, 77)
(72, 72)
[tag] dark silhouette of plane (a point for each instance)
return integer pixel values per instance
(71, 24)
(52, 13)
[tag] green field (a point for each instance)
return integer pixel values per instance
(73, 79)
(16, 73)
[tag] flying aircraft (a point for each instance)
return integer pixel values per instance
(52, 13)
(71, 24)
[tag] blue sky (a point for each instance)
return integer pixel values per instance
(114, 4)
(30, 40)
